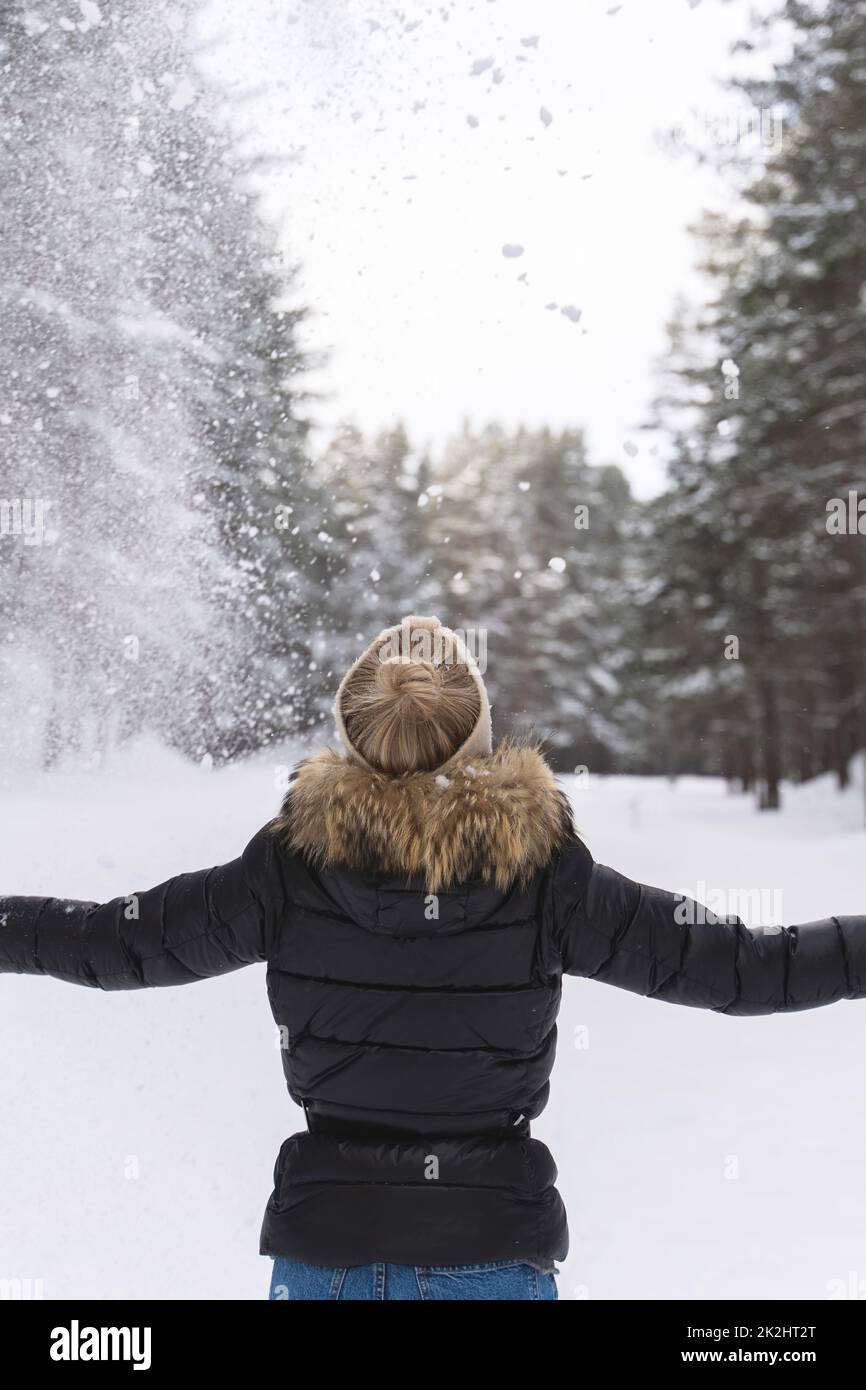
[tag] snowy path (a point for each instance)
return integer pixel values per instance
(645, 1122)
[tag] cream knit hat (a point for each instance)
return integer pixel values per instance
(417, 638)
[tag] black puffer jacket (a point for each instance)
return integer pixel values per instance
(415, 932)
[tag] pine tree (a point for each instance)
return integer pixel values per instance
(536, 541)
(149, 374)
(742, 537)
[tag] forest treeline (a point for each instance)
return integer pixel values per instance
(176, 555)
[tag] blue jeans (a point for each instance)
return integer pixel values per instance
(506, 1279)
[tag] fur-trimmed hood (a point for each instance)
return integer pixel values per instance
(498, 817)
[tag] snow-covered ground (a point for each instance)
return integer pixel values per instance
(699, 1156)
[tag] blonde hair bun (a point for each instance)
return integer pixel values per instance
(409, 680)
(408, 716)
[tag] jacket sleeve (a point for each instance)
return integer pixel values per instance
(189, 928)
(665, 946)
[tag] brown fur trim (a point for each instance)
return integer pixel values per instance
(499, 816)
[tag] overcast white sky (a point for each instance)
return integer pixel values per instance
(426, 139)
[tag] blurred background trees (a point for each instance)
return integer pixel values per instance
(766, 408)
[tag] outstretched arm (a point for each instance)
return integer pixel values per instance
(662, 945)
(189, 928)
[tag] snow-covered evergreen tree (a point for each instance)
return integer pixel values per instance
(767, 412)
(147, 401)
